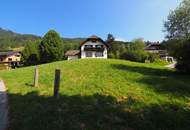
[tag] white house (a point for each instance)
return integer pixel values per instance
(92, 47)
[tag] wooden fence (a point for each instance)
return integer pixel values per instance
(4, 66)
(57, 80)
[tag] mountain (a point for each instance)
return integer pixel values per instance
(6, 33)
(10, 40)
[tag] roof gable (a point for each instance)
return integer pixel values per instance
(94, 38)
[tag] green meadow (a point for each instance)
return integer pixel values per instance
(99, 95)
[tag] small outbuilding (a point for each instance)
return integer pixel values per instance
(72, 54)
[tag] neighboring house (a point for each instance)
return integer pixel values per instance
(10, 58)
(158, 48)
(92, 47)
(72, 54)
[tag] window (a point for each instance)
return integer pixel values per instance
(9, 59)
(88, 54)
(99, 54)
(99, 46)
(93, 41)
(88, 46)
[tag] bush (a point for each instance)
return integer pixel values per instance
(137, 56)
(183, 58)
(152, 57)
(111, 55)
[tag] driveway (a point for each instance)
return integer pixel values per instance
(3, 107)
(171, 65)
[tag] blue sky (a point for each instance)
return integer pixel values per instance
(125, 19)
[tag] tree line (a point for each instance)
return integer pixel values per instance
(177, 27)
(48, 49)
(52, 48)
(133, 51)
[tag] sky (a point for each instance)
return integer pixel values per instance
(125, 19)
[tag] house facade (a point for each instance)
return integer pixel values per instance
(10, 58)
(92, 47)
(72, 54)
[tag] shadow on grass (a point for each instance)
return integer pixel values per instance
(161, 80)
(95, 112)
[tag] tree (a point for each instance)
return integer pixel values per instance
(137, 45)
(177, 25)
(183, 58)
(110, 38)
(173, 45)
(178, 28)
(30, 54)
(51, 48)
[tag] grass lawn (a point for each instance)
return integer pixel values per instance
(99, 95)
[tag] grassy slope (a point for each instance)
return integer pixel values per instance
(99, 95)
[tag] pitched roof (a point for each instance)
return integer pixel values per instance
(72, 53)
(8, 53)
(94, 38)
(155, 47)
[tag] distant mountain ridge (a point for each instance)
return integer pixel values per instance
(10, 39)
(7, 33)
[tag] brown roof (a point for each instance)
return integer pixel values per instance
(94, 38)
(155, 47)
(72, 53)
(8, 53)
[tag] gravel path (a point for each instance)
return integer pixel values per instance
(171, 65)
(3, 107)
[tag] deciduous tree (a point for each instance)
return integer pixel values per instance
(177, 25)
(51, 48)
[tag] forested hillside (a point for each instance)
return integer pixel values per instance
(10, 40)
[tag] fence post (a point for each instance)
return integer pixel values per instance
(57, 83)
(36, 76)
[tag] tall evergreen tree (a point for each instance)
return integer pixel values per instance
(110, 38)
(51, 48)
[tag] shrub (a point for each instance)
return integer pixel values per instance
(183, 58)
(137, 56)
(111, 55)
(152, 57)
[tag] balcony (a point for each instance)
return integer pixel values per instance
(99, 48)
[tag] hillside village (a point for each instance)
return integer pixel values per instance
(92, 47)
